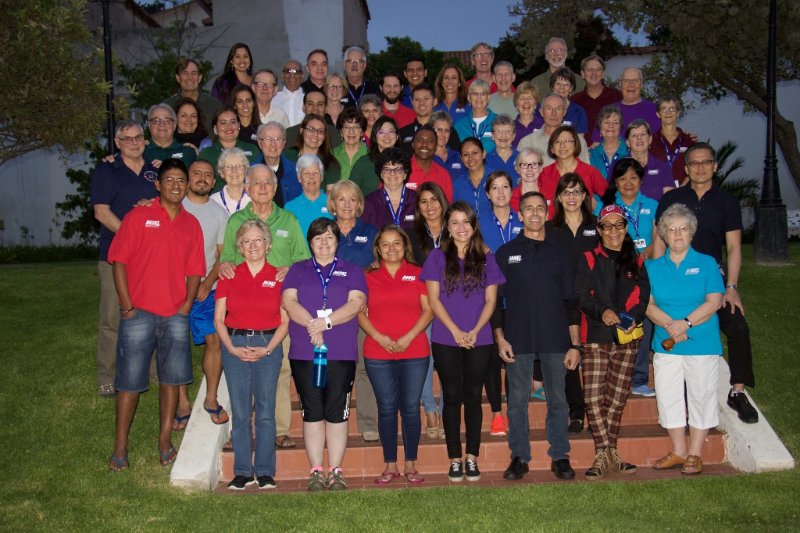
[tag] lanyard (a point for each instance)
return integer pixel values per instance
(509, 225)
(671, 158)
(396, 215)
(437, 241)
(225, 204)
(324, 280)
(633, 220)
(478, 133)
(356, 100)
(608, 164)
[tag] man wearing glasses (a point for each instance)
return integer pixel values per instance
(482, 56)
(719, 223)
(161, 121)
(556, 53)
(290, 98)
(115, 188)
(355, 65)
(264, 84)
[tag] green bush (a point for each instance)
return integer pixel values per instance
(47, 254)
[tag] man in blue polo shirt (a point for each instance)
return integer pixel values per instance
(719, 222)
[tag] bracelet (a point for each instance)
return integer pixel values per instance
(689, 322)
(126, 311)
(732, 286)
(577, 347)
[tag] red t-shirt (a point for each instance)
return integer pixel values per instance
(492, 86)
(436, 174)
(252, 302)
(394, 307)
(548, 181)
(403, 116)
(158, 254)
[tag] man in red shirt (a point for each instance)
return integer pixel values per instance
(423, 167)
(157, 257)
(392, 90)
(482, 56)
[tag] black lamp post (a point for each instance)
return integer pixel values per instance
(771, 228)
(104, 4)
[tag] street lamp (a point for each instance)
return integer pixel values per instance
(104, 4)
(771, 228)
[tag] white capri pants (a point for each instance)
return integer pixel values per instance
(699, 373)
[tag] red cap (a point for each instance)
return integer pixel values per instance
(611, 210)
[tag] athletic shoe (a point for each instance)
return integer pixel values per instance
(316, 482)
(644, 390)
(617, 462)
(266, 482)
(456, 472)
(599, 466)
(499, 428)
(473, 474)
(241, 482)
(737, 400)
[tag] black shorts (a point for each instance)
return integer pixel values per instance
(332, 403)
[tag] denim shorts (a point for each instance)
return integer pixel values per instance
(201, 319)
(139, 336)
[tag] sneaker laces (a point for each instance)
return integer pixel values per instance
(613, 457)
(601, 460)
(472, 466)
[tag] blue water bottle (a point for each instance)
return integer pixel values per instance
(320, 366)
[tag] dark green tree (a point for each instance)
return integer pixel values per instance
(393, 59)
(76, 208)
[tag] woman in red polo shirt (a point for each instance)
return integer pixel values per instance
(396, 350)
(251, 325)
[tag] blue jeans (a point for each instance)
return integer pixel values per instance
(428, 400)
(249, 385)
(519, 375)
(144, 332)
(641, 371)
(398, 384)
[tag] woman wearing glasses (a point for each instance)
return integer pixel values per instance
(383, 136)
(334, 89)
(394, 203)
(612, 289)
(528, 165)
(313, 139)
(658, 175)
(232, 166)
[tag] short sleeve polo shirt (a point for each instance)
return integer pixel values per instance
(252, 302)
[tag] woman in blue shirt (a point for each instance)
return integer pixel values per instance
(346, 204)
(470, 184)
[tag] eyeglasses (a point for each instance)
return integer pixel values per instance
(563, 142)
(593, 69)
(351, 127)
(293, 71)
(234, 168)
(536, 164)
(573, 192)
(355, 61)
(264, 84)
(271, 140)
(557, 50)
(503, 133)
(621, 225)
(442, 131)
(479, 94)
(397, 171)
(670, 109)
(161, 121)
(384, 133)
(336, 87)
(678, 229)
(314, 131)
(698, 163)
(131, 140)
(254, 242)
(231, 122)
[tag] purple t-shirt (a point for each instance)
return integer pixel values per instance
(342, 340)
(657, 175)
(463, 310)
(644, 109)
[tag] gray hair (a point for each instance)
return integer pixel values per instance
(258, 167)
(338, 188)
(525, 153)
(502, 120)
(555, 40)
(480, 45)
(166, 108)
(607, 112)
(638, 123)
(308, 161)
(370, 99)
(440, 115)
(676, 212)
(478, 84)
(247, 225)
(355, 49)
(271, 124)
(232, 153)
(125, 124)
(502, 63)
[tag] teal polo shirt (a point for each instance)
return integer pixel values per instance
(680, 289)
(176, 150)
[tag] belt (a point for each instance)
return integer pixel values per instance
(250, 332)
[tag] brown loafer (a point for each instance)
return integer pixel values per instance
(692, 466)
(669, 461)
(284, 442)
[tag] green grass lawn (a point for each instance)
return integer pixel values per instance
(57, 434)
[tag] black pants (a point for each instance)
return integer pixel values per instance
(493, 381)
(740, 354)
(572, 388)
(462, 373)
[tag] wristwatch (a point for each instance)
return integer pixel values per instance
(688, 322)
(328, 324)
(732, 286)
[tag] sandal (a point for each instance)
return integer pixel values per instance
(692, 466)
(669, 461)
(432, 431)
(386, 478)
(219, 416)
(413, 478)
(168, 457)
(284, 442)
(180, 422)
(118, 464)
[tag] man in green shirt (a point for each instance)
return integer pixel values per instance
(161, 122)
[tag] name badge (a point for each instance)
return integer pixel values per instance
(641, 244)
(322, 313)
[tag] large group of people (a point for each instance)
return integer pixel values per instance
(337, 231)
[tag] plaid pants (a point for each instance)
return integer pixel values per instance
(607, 373)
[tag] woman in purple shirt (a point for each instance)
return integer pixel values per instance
(462, 278)
(393, 203)
(657, 173)
(322, 297)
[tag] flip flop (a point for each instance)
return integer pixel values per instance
(180, 422)
(217, 415)
(539, 394)
(414, 478)
(118, 464)
(386, 478)
(168, 457)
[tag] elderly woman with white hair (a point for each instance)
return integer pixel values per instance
(478, 122)
(686, 292)
(312, 203)
(232, 167)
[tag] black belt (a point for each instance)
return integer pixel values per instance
(250, 332)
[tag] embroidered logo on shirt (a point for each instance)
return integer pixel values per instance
(514, 259)
(652, 172)
(691, 271)
(177, 155)
(152, 224)
(516, 230)
(644, 211)
(412, 186)
(361, 238)
(456, 165)
(269, 284)
(324, 210)
(281, 233)
(340, 273)
(409, 217)
(589, 232)
(408, 278)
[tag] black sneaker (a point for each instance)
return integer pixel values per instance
(516, 469)
(562, 469)
(456, 472)
(241, 482)
(266, 482)
(575, 426)
(737, 400)
(473, 474)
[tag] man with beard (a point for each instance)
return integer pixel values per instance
(392, 91)
(212, 218)
(556, 53)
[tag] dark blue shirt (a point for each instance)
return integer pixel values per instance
(356, 246)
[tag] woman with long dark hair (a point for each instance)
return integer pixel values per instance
(383, 135)
(462, 278)
(314, 139)
(613, 291)
(238, 70)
